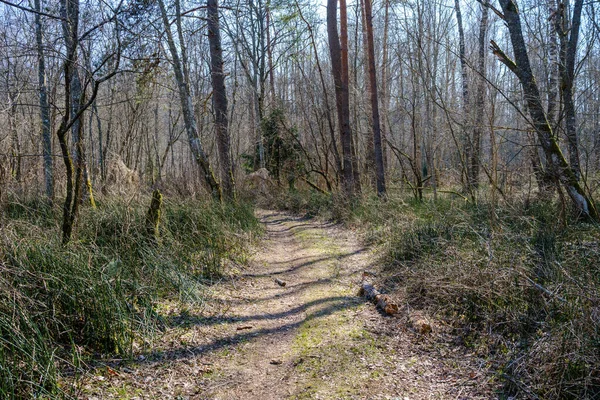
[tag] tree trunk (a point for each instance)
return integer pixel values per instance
(44, 107)
(521, 67)
(569, 37)
(554, 63)
(187, 109)
(358, 95)
(378, 154)
(339, 66)
(466, 109)
(70, 15)
(219, 98)
(385, 102)
(330, 123)
(479, 103)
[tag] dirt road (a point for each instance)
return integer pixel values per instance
(312, 339)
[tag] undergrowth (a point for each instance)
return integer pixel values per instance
(62, 305)
(515, 285)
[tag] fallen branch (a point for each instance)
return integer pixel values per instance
(382, 301)
(280, 282)
(243, 327)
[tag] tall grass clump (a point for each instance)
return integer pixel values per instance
(61, 305)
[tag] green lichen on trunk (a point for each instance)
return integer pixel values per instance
(153, 216)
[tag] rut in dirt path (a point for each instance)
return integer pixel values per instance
(312, 339)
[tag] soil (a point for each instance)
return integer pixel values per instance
(313, 338)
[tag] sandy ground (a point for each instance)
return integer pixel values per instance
(315, 338)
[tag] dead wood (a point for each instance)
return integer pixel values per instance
(280, 282)
(420, 323)
(243, 327)
(382, 301)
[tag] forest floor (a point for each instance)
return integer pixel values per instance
(315, 338)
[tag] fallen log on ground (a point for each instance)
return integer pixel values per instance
(382, 301)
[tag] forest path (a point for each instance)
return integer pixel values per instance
(312, 339)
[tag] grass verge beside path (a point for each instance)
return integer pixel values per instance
(62, 306)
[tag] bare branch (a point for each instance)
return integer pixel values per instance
(498, 52)
(31, 10)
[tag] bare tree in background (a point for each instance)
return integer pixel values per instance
(187, 106)
(219, 96)
(568, 33)
(44, 106)
(521, 67)
(339, 65)
(479, 103)
(377, 148)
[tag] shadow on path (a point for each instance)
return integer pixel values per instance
(335, 305)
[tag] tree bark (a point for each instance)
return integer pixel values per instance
(521, 67)
(330, 123)
(70, 15)
(377, 148)
(44, 106)
(479, 103)
(219, 98)
(385, 102)
(466, 109)
(187, 108)
(569, 38)
(339, 66)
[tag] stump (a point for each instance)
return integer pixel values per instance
(153, 216)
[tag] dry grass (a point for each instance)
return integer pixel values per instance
(61, 306)
(519, 289)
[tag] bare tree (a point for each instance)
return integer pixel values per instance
(189, 118)
(219, 98)
(568, 33)
(521, 67)
(44, 106)
(479, 109)
(377, 148)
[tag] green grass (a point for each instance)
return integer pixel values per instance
(62, 305)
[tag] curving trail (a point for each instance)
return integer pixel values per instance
(312, 339)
